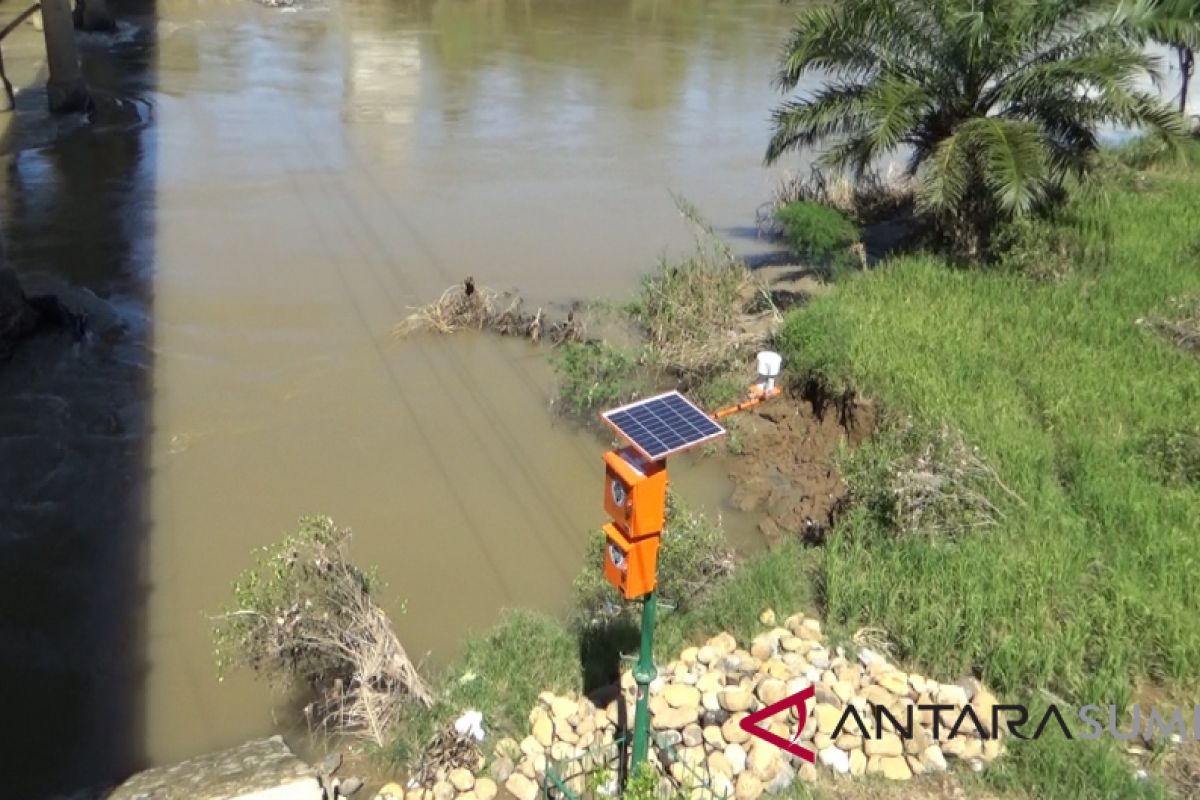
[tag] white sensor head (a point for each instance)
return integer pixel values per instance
(769, 365)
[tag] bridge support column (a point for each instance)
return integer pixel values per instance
(65, 90)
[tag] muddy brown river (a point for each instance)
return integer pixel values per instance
(290, 184)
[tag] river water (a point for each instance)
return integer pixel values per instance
(299, 181)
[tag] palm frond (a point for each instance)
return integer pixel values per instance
(944, 176)
(1012, 160)
(832, 111)
(1173, 22)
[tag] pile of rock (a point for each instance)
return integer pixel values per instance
(699, 699)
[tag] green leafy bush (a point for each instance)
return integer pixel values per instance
(594, 375)
(817, 232)
(694, 325)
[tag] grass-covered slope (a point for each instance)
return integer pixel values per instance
(1090, 587)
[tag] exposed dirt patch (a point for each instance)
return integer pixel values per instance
(787, 469)
(1175, 763)
(1181, 768)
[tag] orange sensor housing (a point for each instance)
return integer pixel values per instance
(630, 565)
(635, 492)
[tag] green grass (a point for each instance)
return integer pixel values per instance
(1055, 767)
(593, 375)
(1091, 586)
(782, 578)
(499, 672)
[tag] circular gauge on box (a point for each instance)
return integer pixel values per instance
(619, 494)
(616, 557)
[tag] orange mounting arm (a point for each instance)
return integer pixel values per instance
(757, 395)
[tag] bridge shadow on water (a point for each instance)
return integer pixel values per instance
(77, 220)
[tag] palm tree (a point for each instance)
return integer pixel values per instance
(1176, 24)
(994, 103)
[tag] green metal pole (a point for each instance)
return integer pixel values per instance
(643, 674)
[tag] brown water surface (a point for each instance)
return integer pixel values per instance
(305, 178)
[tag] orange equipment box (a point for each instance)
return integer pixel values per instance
(631, 565)
(635, 492)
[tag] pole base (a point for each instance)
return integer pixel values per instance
(67, 97)
(94, 16)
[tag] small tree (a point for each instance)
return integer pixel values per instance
(994, 103)
(302, 613)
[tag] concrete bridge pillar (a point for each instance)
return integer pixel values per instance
(65, 90)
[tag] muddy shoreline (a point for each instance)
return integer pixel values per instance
(787, 471)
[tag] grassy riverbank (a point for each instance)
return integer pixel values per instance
(1069, 580)
(1085, 587)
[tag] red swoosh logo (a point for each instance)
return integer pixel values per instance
(800, 700)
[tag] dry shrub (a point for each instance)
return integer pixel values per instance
(705, 313)
(943, 487)
(462, 306)
(465, 306)
(1181, 325)
(446, 751)
(1181, 768)
(304, 614)
(919, 479)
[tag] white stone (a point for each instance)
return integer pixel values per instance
(462, 779)
(681, 696)
(836, 759)
(521, 787)
(736, 755)
(933, 759)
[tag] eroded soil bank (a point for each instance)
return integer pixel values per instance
(788, 471)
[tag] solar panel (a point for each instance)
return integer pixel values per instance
(663, 425)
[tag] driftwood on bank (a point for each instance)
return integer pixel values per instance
(304, 614)
(466, 306)
(446, 751)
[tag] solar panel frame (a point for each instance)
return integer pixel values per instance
(663, 425)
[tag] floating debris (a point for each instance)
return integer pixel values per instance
(465, 306)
